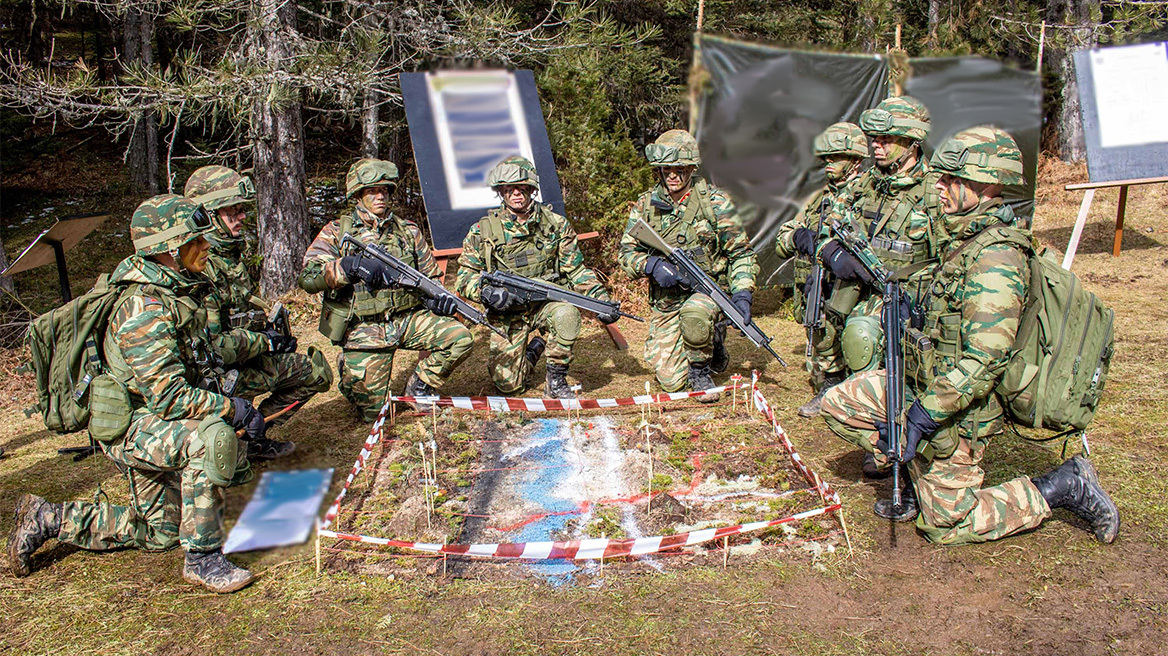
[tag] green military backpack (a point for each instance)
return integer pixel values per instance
(65, 346)
(1058, 366)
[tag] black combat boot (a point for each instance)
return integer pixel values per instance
(36, 521)
(1074, 485)
(721, 359)
(534, 351)
(908, 501)
(870, 469)
(213, 571)
(811, 408)
(557, 384)
(700, 380)
(265, 449)
(416, 387)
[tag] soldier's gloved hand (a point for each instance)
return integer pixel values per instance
(442, 305)
(496, 298)
(249, 419)
(843, 264)
(665, 273)
(279, 342)
(743, 300)
(368, 270)
(918, 425)
(804, 241)
(607, 318)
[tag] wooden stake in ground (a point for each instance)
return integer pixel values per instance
(425, 485)
(649, 450)
(318, 546)
(725, 551)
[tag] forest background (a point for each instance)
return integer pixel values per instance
(294, 91)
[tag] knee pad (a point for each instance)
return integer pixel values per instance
(322, 373)
(564, 324)
(697, 327)
(221, 450)
(862, 343)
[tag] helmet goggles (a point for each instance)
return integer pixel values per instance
(880, 121)
(954, 156)
(374, 172)
(666, 154)
(507, 174)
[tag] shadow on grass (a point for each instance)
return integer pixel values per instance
(32, 438)
(1097, 238)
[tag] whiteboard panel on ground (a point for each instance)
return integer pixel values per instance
(1123, 96)
(461, 124)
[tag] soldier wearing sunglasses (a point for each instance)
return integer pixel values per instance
(685, 345)
(363, 314)
(259, 358)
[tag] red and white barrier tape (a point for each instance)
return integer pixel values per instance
(580, 549)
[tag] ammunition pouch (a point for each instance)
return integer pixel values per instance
(221, 450)
(919, 360)
(253, 320)
(110, 410)
(899, 253)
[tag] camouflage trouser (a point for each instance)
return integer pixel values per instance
(365, 376)
(505, 361)
(290, 377)
(172, 500)
(680, 337)
(826, 355)
(955, 509)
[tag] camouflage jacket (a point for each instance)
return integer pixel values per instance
(157, 344)
(544, 246)
(706, 225)
(882, 207)
(370, 312)
(973, 317)
(232, 293)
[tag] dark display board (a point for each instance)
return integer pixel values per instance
(764, 105)
(461, 124)
(1140, 99)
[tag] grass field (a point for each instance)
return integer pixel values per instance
(1051, 591)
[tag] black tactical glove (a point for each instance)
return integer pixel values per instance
(442, 305)
(665, 273)
(804, 241)
(368, 270)
(918, 425)
(496, 298)
(743, 300)
(279, 342)
(606, 318)
(843, 264)
(248, 418)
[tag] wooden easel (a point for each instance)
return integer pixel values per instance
(444, 255)
(1085, 208)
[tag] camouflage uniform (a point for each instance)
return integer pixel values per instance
(154, 344)
(974, 308)
(839, 139)
(232, 305)
(543, 246)
(371, 325)
(893, 212)
(705, 224)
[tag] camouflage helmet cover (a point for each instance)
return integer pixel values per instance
(981, 154)
(674, 148)
(165, 222)
(841, 139)
(898, 116)
(370, 172)
(515, 170)
(216, 186)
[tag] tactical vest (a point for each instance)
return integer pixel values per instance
(363, 303)
(695, 232)
(534, 256)
(886, 226)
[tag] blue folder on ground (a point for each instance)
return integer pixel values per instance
(282, 510)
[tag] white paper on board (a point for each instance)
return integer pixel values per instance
(1131, 94)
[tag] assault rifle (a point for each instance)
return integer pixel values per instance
(404, 275)
(893, 324)
(529, 290)
(279, 319)
(703, 284)
(813, 304)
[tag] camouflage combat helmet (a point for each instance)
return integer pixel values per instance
(218, 186)
(982, 154)
(166, 222)
(515, 170)
(674, 148)
(898, 116)
(370, 173)
(841, 139)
